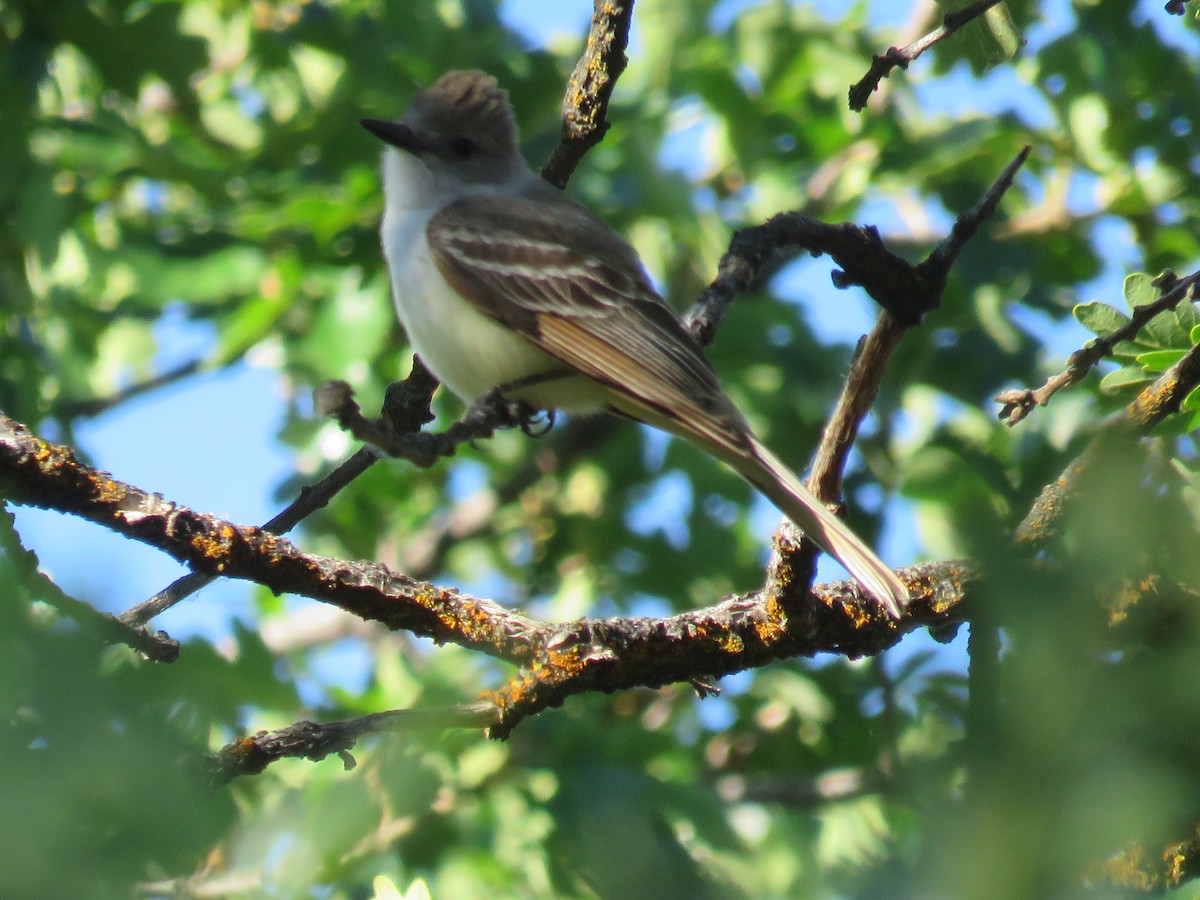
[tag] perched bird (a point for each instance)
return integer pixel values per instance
(501, 280)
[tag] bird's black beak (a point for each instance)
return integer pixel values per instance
(395, 133)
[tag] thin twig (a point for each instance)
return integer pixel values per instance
(158, 647)
(1151, 406)
(94, 406)
(309, 500)
(1019, 402)
(966, 226)
(883, 64)
(904, 290)
(873, 352)
(315, 741)
(858, 396)
(406, 407)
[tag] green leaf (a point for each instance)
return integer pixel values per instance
(1089, 120)
(1159, 360)
(1100, 318)
(1123, 378)
(1174, 426)
(1140, 290)
(1187, 318)
(987, 40)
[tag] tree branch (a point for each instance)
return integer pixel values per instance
(559, 659)
(906, 291)
(313, 741)
(585, 106)
(1018, 403)
(883, 64)
(94, 406)
(1151, 406)
(912, 290)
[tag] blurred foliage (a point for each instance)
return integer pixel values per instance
(201, 158)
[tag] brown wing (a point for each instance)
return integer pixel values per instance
(560, 277)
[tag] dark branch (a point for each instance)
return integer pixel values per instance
(158, 647)
(938, 263)
(585, 106)
(1018, 403)
(482, 419)
(897, 286)
(1151, 406)
(883, 64)
(313, 741)
(904, 290)
(94, 406)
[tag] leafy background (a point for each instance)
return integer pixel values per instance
(185, 195)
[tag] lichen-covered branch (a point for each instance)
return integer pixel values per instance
(406, 409)
(558, 660)
(585, 106)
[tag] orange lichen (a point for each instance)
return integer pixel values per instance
(565, 662)
(243, 747)
(732, 643)
(772, 627)
(109, 491)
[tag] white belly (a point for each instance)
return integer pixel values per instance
(467, 351)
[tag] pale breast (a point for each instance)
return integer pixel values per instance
(468, 352)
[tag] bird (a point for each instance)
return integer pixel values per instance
(504, 282)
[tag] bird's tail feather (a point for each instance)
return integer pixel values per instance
(779, 484)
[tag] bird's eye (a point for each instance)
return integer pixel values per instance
(464, 147)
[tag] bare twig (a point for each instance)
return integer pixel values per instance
(309, 500)
(966, 226)
(158, 647)
(883, 64)
(858, 396)
(314, 741)
(904, 290)
(406, 406)
(1018, 403)
(94, 406)
(585, 105)
(1151, 406)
